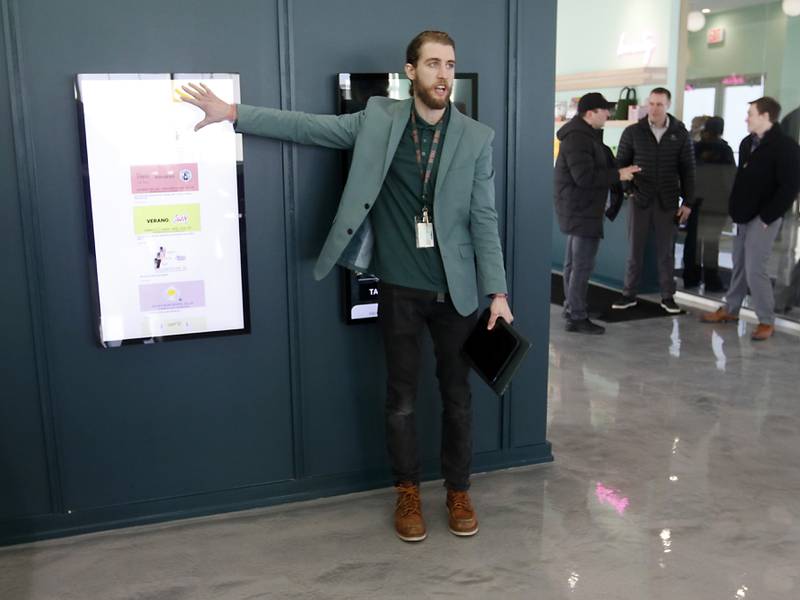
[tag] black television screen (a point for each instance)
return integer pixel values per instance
(354, 89)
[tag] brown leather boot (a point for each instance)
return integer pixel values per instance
(462, 520)
(762, 332)
(408, 521)
(718, 316)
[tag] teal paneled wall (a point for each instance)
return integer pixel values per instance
(93, 438)
(24, 484)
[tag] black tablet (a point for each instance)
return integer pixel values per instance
(489, 351)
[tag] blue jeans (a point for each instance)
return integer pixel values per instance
(579, 261)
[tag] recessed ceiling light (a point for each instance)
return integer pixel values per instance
(705, 11)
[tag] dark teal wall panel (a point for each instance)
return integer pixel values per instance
(533, 217)
(146, 422)
(24, 487)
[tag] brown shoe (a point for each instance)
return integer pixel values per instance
(462, 519)
(762, 332)
(718, 316)
(408, 521)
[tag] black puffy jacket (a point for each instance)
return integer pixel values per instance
(713, 152)
(584, 173)
(768, 178)
(667, 166)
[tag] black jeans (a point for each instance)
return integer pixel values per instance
(402, 313)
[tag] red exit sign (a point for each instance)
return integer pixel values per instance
(716, 35)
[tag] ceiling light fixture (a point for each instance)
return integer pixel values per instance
(791, 7)
(695, 20)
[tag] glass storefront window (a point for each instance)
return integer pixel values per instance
(716, 56)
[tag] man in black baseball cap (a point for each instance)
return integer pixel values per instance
(593, 101)
(586, 177)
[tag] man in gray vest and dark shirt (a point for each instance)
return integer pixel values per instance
(660, 144)
(766, 185)
(422, 178)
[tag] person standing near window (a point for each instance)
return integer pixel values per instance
(660, 144)
(767, 183)
(585, 179)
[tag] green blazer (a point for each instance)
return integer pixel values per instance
(466, 220)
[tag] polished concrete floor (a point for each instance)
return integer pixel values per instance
(677, 475)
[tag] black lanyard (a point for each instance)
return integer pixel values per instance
(426, 173)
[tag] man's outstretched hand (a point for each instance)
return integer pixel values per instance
(203, 98)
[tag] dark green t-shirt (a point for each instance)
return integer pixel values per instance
(396, 258)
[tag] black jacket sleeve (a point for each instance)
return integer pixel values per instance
(582, 166)
(727, 156)
(625, 148)
(625, 154)
(788, 174)
(616, 201)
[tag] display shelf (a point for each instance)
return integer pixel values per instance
(643, 76)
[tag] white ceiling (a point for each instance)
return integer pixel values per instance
(721, 5)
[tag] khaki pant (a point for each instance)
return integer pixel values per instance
(751, 250)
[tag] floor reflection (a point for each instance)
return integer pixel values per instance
(676, 468)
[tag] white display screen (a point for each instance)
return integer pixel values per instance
(166, 213)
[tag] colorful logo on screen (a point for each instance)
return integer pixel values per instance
(169, 218)
(160, 179)
(169, 296)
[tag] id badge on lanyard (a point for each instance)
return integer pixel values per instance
(424, 230)
(423, 225)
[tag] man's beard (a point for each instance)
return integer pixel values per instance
(429, 100)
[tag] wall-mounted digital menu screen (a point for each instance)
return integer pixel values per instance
(165, 208)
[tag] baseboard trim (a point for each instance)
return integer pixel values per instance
(43, 527)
